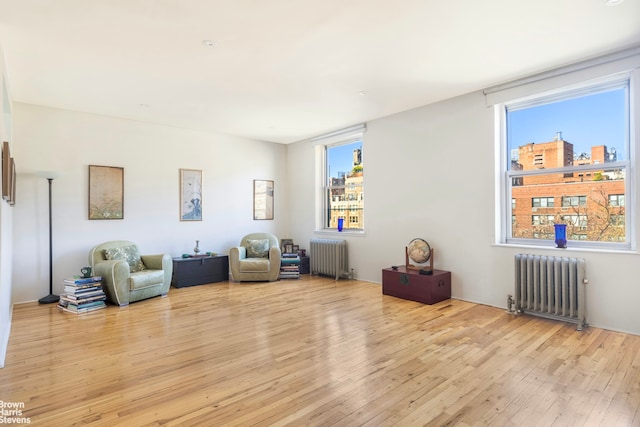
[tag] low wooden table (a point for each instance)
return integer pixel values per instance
(417, 287)
(199, 270)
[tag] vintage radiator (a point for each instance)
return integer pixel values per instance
(551, 287)
(329, 257)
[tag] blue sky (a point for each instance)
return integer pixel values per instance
(340, 158)
(598, 119)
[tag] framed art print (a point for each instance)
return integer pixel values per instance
(190, 195)
(12, 184)
(262, 199)
(6, 171)
(106, 192)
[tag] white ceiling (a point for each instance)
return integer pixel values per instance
(285, 70)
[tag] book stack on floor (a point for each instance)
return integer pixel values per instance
(82, 295)
(290, 266)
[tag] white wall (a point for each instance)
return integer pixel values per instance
(429, 173)
(67, 142)
(6, 218)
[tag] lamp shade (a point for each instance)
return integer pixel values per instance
(48, 174)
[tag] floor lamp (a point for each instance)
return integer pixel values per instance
(51, 298)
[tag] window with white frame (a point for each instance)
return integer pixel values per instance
(542, 219)
(574, 201)
(571, 144)
(616, 199)
(342, 174)
(542, 202)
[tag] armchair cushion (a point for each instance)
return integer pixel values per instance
(254, 264)
(130, 254)
(145, 279)
(257, 248)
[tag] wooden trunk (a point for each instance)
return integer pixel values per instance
(199, 270)
(411, 285)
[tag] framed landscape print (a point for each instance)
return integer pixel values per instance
(262, 199)
(6, 171)
(12, 189)
(106, 192)
(190, 195)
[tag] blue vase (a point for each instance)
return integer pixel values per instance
(561, 235)
(340, 224)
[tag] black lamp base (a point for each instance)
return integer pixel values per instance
(49, 299)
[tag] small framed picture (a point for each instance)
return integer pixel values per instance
(284, 243)
(288, 248)
(295, 249)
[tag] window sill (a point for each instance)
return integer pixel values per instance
(570, 248)
(333, 232)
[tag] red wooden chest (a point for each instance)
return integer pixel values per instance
(418, 287)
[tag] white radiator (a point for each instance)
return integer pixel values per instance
(551, 287)
(329, 257)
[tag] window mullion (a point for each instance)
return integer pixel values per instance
(569, 169)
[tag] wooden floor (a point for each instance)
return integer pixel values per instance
(314, 352)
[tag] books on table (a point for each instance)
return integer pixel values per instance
(82, 280)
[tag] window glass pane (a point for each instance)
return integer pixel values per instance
(589, 208)
(345, 179)
(342, 159)
(584, 130)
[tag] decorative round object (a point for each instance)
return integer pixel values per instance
(86, 271)
(419, 251)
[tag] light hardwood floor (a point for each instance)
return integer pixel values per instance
(314, 352)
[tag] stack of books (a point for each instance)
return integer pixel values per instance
(82, 295)
(290, 266)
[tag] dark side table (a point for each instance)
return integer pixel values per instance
(199, 270)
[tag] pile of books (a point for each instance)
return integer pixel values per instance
(82, 295)
(290, 266)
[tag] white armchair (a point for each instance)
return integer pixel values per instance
(256, 259)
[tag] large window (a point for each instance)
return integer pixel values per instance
(568, 161)
(340, 157)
